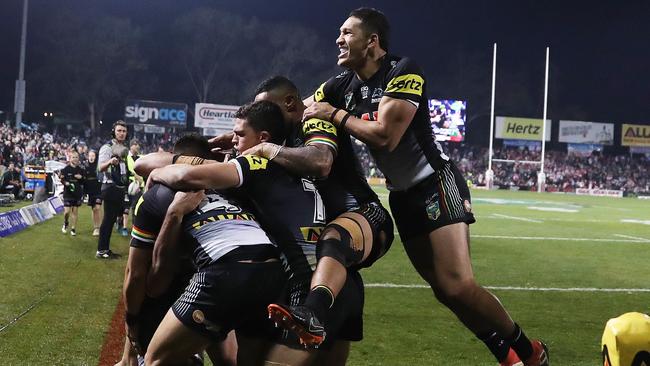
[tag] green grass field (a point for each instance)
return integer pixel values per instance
(525, 246)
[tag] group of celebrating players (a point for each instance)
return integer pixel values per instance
(223, 247)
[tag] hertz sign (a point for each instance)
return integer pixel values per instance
(517, 128)
(635, 135)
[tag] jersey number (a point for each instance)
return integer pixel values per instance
(319, 208)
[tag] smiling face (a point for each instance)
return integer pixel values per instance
(244, 136)
(353, 44)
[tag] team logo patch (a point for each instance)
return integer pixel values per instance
(377, 94)
(409, 83)
(349, 102)
(468, 206)
(433, 210)
(365, 91)
(198, 316)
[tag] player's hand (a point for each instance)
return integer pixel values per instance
(221, 142)
(186, 202)
(264, 149)
(132, 335)
(320, 110)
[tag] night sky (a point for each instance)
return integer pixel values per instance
(600, 51)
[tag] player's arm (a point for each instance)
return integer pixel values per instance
(306, 161)
(186, 177)
(393, 118)
(135, 279)
(165, 252)
(147, 163)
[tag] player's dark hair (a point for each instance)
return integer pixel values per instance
(192, 144)
(277, 83)
(374, 21)
(264, 116)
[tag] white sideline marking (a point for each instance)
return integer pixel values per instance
(517, 218)
(632, 221)
(552, 209)
(517, 288)
(638, 240)
(632, 237)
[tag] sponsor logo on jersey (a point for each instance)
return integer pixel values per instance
(433, 207)
(311, 233)
(313, 125)
(365, 91)
(320, 93)
(256, 162)
(242, 216)
(409, 83)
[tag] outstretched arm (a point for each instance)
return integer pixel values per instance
(393, 118)
(307, 161)
(186, 177)
(165, 251)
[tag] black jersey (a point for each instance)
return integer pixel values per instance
(418, 154)
(92, 185)
(289, 208)
(218, 225)
(346, 187)
(74, 188)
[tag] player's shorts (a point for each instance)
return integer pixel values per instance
(345, 321)
(71, 202)
(379, 220)
(231, 295)
(439, 200)
(95, 199)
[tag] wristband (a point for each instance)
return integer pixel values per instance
(334, 114)
(276, 152)
(344, 121)
(130, 319)
(175, 157)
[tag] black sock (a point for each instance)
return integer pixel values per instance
(520, 343)
(65, 222)
(320, 299)
(496, 344)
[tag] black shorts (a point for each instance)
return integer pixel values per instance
(379, 220)
(71, 201)
(133, 200)
(95, 199)
(345, 321)
(153, 310)
(439, 200)
(231, 295)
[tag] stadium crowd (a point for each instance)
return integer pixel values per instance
(565, 172)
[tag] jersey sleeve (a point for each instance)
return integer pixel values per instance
(328, 91)
(149, 215)
(405, 81)
(320, 132)
(251, 170)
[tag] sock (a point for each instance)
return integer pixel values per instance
(520, 343)
(65, 222)
(320, 299)
(496, 344)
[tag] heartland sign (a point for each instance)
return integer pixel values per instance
(635, 135)
(215, 118)
(516, 128)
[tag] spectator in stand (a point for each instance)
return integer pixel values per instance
(12, 182)
(93, 187)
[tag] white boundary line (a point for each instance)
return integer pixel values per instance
(517, 288)
(517, 218)
(633, 237)
(638, 240)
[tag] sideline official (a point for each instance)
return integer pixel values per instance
(114, 176)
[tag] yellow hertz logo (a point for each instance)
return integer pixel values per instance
(241, 216)
(319, 94)
(409, 83)
(311, 234)
(256, 162)
(137, 205)
(318, 125)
